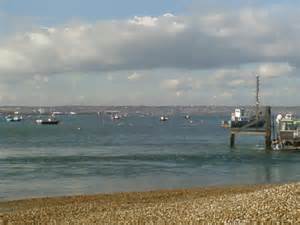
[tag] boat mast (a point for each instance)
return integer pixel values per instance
(257, 96)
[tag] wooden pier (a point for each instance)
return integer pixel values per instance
(248, 129)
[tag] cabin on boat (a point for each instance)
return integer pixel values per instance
(288, 132)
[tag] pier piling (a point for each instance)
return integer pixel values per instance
(232, 140)
(268, 128)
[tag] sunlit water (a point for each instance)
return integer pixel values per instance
(132, 154)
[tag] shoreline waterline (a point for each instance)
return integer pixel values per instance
(262, 202)
(210, 188)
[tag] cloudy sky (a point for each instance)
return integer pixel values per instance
(138, 52)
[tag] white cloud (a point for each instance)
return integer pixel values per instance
(209, 41)
(226, 94)
(171, 84)
(220, 51)
(169, 15)
(245, 76)
(135, 76)
(109, 77)
(40, 39)
(232, 78)
(39, 78)
(181, 85)
(271, 70)
(237, 82)
(146, 21)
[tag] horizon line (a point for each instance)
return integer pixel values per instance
(75, 105)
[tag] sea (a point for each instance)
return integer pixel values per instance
(88, 154)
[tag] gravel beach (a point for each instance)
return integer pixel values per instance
(258, 204)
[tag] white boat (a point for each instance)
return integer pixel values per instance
(49, 121)
(73, 113)
(164, 118)
(115, 117)
(13, 118)
(41, 110)
(57, 113)
(187, 117)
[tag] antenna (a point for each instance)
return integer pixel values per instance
(257, 96)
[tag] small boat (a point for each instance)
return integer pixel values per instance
(16, 118)
(115, 117)
(13, 118)
(187, 117)
(49, 121)
(225, 124)
(57, 113)
(73, 113)
(164, 118)
(41, 110)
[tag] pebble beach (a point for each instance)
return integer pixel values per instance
(254, 204)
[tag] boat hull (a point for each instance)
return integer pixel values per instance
(49, 123)
(241, 124)
(8, 119)
(46, 122)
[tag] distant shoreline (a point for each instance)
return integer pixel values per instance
(198, 110)
(247, 203)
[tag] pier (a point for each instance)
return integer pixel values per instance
(258, 125)
(251, 129)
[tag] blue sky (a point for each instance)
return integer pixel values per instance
(178, 52)
(56, 11)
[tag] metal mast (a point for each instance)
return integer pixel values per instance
(257, 96)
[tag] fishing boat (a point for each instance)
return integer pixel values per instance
(240, 118)
(48, 121)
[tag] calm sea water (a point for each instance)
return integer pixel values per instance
(133, 154)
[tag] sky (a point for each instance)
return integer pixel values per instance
(138, 52)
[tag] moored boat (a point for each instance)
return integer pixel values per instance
(14, 118)
(10, 118)
(240, 118)
(225, 124)
(49, 121)
(115, 117)
(187, 117)
(287, 132)
(164, 118)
